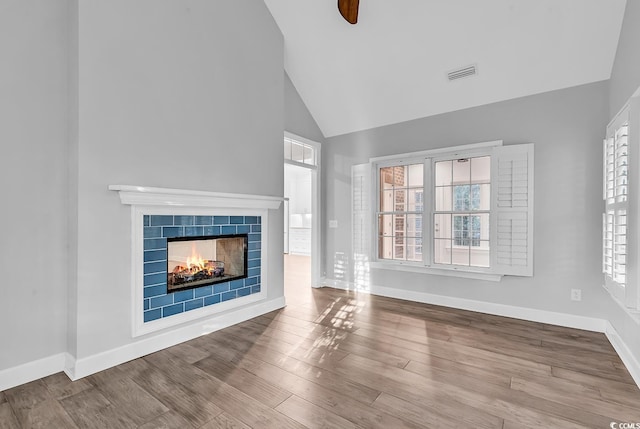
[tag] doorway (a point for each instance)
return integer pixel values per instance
(301, 216)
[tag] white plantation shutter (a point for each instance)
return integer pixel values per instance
(614, 230)
(512, 210)
(361, 210)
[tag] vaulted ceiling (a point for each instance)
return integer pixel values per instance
(392, 65)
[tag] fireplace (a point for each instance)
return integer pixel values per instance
(199, 261)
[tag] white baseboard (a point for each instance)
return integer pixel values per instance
(627, 357)
(90, 365)
(31, 371)
(78, 368)
(524, 313)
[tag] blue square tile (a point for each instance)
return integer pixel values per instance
(172, 231)
(161, 301)
(252, 272)
(236, 284)
(154, 279)
(161, 220)
(152, 315)
(211, 230)
(256, 228)
(251, 219)
(172, 309)
(250, 281)
(221, 220)
(196, 303)
(243, 229)
(228, 229)
(254, 263)
(146, 221)
(183, 220)
(228, 295)
(155, 290)
(155, 267)
(146, 304)
(236, 219)
(183, 295)
(155, 243)
(255, 288)
(203, 291)
(259, 220)
(204, 220)
(222, 287)
(255, 245)
(155, 255)
(193, 231)
(254, 237)
(152, 232)
(213, 299)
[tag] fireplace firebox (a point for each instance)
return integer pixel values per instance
(199, 261)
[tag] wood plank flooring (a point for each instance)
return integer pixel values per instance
(335, 359)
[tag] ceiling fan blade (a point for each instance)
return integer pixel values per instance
(349, 10)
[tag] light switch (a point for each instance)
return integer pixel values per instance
(333, 224)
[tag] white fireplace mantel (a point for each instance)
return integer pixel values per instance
(150, 196)
(164, 201)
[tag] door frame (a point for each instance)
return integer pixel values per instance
(316, 215)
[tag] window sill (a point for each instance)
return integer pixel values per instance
(448, 272)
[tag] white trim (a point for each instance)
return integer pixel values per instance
(30, 371)
(630, 361)
(447, 272)
(143, 195)
(431, 152)
(90, 365)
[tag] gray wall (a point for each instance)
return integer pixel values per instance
(171, 94)
(566, 127)
(33, 135)
(297, 118)
(625, 75)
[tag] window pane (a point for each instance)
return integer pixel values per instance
(400, 176)
(443, 173)
(415, 175)
(399, 247)
(442, 251)
(480, 228)
(460, 256)
(415, 202)
(385, 247)
(297, 154)
(484, 197)
(480, 255)
(481, 169)
(386, 201)
(385, 225)
(442, 226)
(414, 225)
(461, 198)
(443, 198)
(309, 157)
(386, 178)
(461, 171)
(400, 198)
(414, 249)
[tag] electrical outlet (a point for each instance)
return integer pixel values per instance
(576, 294)
(333, 224)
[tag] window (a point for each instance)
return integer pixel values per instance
(618, 167)
(463, 209)
(298, 151)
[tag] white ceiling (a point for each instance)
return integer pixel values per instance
(392, 65)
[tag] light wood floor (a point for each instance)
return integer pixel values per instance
(346, 360)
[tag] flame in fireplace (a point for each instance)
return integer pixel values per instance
(195, 261)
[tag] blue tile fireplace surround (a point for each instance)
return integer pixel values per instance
(157, 303)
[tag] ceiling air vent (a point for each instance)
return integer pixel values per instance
(462, 72)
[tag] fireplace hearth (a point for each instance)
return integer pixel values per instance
(199, 261)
